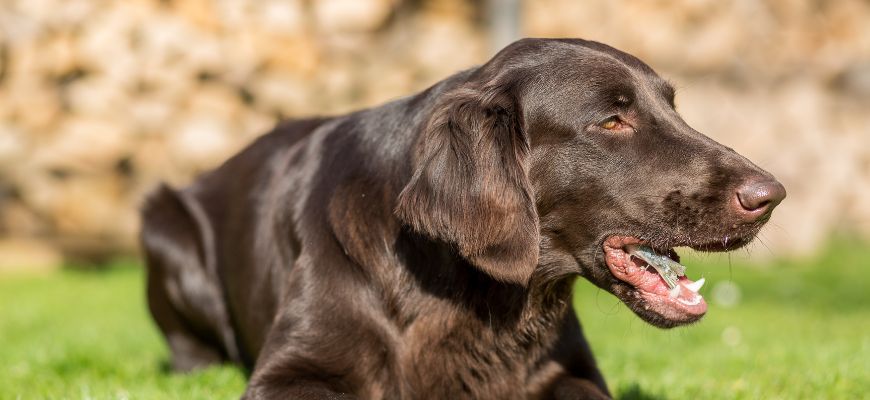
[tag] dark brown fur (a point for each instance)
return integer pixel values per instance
(427, 248)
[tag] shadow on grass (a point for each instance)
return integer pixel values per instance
(635, 392)
(165, 368)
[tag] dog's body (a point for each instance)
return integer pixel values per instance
(427, 248)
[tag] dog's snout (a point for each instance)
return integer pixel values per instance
(757, 198)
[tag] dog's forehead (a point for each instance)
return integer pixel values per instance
(568, 60)
(614, 70)
(554, 70)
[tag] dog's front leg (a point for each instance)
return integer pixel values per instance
(282, 387)
(581, 378)
(305, 368)
(312, 356)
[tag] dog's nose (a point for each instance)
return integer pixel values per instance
(758, 197)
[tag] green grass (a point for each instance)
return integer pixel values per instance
(799, 329)
(88, 335)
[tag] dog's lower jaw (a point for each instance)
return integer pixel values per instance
(637, 304)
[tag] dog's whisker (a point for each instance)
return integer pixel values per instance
(761, 238)
(730, 269)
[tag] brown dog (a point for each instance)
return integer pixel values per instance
(427, 248)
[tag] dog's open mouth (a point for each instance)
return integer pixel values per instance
(657, 278)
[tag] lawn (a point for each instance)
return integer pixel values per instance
(782, 329)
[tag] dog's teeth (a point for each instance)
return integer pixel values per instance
(675, 292)
(691, 302)
(695, 286)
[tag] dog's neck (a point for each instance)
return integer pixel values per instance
(398, 258)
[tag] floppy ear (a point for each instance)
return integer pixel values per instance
(470, 185)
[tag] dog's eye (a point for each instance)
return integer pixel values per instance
(613, 123)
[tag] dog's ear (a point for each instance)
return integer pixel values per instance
(470, 185)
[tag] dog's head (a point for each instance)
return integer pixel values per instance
(569, 152)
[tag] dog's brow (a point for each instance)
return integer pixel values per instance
(668, 91)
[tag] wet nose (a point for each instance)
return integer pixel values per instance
(758, 197)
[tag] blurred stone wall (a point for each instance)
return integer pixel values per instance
(101, 99)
